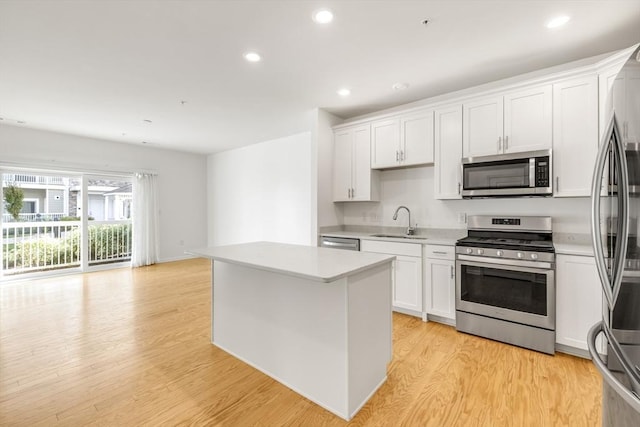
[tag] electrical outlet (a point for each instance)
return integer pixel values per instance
(462, 218)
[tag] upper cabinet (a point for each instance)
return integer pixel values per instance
(621, 91)
(448, 152)
(406, 140)
(353, 179)
(515, 122)
(575, 135)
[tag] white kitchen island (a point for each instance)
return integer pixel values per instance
(317, 320)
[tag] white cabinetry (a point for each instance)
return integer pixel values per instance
(406, 140)
(407, 273)
(620, 91)
(578, 300)
(353, 179)
(575, 135)
(514, 122)
(448, 152)
(440, 282)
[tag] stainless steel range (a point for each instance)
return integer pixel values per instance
(505, 281)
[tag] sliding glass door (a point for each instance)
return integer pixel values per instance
(55, 221)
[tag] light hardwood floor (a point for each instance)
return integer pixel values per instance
(132, 347)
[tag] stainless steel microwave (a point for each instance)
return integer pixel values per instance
(507, 175)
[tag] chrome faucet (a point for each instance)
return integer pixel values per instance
(410, 229)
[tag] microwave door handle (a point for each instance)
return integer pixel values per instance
(596, 236)
(620, 256)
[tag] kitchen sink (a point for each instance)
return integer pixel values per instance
(398, 236)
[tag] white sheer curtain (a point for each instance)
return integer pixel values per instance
(145, 220)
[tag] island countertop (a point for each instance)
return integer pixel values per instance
(307, 262)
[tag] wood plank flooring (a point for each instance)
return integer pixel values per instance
(132, 347)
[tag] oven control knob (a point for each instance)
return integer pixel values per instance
(534, 256)
(469, 250)
(499, 253)
(520, 255)
(480, 251)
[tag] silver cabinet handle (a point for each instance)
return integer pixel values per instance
(506, 142)
(452, 272)
(499, 144)
(557, 183)
(402, 155)
(439, 252)
(397, 156)
(458, 188)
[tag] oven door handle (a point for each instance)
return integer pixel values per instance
(525, 266)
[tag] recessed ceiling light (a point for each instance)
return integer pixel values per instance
(323, 16)
(147, 121)
(252, 57)
(400, 86)
(344, 92)
(558, 21)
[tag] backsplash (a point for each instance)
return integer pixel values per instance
(414, 188)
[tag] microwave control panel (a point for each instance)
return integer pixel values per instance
(542, 171)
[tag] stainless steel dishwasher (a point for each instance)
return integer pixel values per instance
(346, 243)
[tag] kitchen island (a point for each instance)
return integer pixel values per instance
(317, 320)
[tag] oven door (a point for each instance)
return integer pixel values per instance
(516, 291)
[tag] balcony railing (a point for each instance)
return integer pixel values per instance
(17, 178)
(109, 241)
(30, 217)
(39, 246)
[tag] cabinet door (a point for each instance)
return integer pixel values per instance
(385, 144)
(440, 288)
(448, 152)
(407, 284)
(342, 149)
(612, 97)
(483, 127)
(632, 104)
(416, 138)
(575, 135)
(361, 165)
(578, 299)
(528, 120)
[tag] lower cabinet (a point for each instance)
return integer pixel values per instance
(407, 273)
(440, 282)
(578, 301)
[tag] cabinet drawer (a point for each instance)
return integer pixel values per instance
(391, 248)
(440, 252)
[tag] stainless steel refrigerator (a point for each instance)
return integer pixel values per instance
(615, 202)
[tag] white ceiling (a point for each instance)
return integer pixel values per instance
(100, 68)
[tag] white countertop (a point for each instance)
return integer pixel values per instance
(443, 239)
(573, 244)
(307, 262)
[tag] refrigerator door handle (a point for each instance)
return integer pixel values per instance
(610, 287)
(630, 396)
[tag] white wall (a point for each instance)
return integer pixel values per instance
(181, 176)
(329, 213)
(414, 188)
(261, 192)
